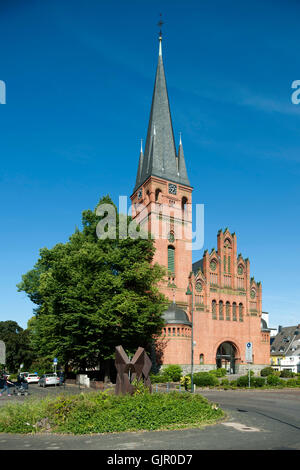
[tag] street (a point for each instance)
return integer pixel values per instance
(257, 420)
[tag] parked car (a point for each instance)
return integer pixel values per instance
(48, 379)
(31, 378)
(23, 374)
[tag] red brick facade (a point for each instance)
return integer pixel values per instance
(227, 303)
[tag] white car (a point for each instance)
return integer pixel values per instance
(23, 374)
(32, 378)
(48, 379)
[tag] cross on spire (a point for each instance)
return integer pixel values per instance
(160, 23)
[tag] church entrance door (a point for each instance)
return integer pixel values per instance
(226, 357)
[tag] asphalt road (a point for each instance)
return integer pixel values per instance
(257, 420)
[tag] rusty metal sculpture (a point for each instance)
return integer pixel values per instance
(128, 370)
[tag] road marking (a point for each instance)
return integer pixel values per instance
(241, 427)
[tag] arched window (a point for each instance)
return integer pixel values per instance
(234, 318)
(221, 313)
(184, 202)
(201, 358)
(158, 195)
(214, 309)
(228, 311)
(171, 259)
(241, 312)
(147, 196)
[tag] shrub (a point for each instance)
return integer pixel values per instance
(205, 379)
(243, 381)
(173, 372)
(225, 382)
(267, 371)
(186, 382)
(292, 383)
(221, 372)
(158, 378)
(287, 373)
(274, 380)
(258, 381)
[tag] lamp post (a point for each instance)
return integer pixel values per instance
(190, 292)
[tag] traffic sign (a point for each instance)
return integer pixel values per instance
(249, 351)
(55, 360)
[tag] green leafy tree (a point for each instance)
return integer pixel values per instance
(18, 350)
(94, 294)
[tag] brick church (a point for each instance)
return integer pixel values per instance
(223, 311)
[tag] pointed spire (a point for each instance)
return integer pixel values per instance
(161, 159)
(181, 162)
(141, 158)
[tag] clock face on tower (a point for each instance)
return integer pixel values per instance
(172, 188)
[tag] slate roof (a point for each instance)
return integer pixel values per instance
(284, 340)
(175, 314)
(197, 265)
(160, 157)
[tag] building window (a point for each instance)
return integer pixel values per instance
(201, 358)
(228, 311)
(241, 312)
(234, 318)
(158, 195)
(214, 309)
(221, 313)
(184, 202)
(171, 259)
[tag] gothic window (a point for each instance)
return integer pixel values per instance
(213, 265)
(229, 262)
(241, 312)
(199, 287)
(221, 313)
(227, 311)
(214, 309)
(224, 263)
(234, 318)
(171, 259)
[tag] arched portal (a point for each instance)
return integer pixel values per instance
(226, 357)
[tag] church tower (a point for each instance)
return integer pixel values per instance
(223, 313)
(162, 196)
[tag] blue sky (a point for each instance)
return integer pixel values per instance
(79, 78)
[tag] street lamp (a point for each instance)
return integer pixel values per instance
(190, 292)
